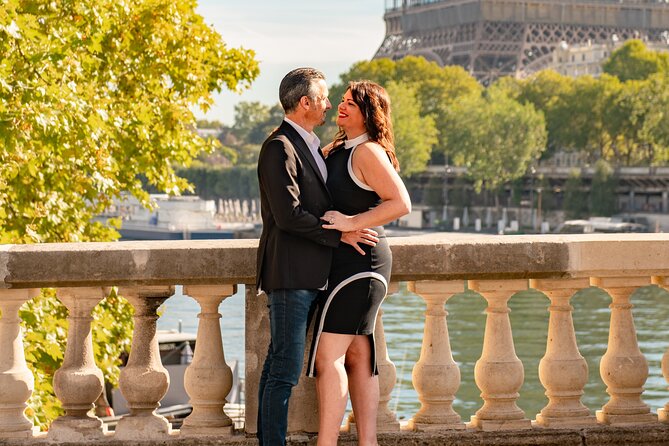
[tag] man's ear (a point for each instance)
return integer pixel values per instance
(305, 103)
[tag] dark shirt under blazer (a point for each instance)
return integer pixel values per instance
(295, 252)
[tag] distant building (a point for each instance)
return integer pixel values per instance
(493, 38)
(588, 58)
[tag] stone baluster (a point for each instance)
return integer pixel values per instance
(623, 367)
(563, 371)
(499, 373)
(386, 420)
(16, 379)
(436, 376)
(79, 382)
(663, 412)
(144, 381)
(208, 379)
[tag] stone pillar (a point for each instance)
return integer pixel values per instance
(665, 202)
(303, 407)
(436, 376)
(386, 420)
(499, 373)
(563, 371)
(16, 379)
(144, 381)
(208, 379)
(256, 328)
(623, 367)
(79, 382)
(663, 413)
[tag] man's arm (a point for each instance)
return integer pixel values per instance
(277, 172)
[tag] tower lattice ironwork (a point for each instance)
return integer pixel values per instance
(493, 38)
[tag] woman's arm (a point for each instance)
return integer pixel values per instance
(372, 166)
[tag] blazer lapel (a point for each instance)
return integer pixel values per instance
(301, 146)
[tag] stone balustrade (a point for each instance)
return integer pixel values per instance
(436, 267)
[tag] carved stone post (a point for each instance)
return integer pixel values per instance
(663, 413)
(623, 367)
(144, 381)
(79, 382)
(16, 379)
(208, 379)
(386, 420)
(499, 373)
(436, 376)
(562, 371)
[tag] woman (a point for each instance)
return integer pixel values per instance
(367, 192)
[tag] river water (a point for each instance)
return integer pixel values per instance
(404, 320)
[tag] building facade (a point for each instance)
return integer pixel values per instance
(493, 38)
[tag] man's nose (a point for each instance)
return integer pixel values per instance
(329, 105)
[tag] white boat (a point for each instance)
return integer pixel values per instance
(174, 218)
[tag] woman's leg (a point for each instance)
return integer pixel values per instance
(364, 387)
(331, 385)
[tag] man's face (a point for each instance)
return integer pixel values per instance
(319, 105)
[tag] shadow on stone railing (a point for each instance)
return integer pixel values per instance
(436, 269)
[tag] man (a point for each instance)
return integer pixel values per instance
(295, 252)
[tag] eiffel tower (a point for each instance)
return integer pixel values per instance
(493, 38)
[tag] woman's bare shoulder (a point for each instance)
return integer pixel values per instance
(370, 151)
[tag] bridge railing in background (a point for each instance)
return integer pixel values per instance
(436, 268)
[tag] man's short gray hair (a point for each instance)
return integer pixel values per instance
(299, 82)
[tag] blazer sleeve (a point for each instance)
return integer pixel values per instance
(277, 173)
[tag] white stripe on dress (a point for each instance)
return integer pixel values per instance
(342, 284)
(355, 179)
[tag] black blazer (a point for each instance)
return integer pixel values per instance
(295, 252)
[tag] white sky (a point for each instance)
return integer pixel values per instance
(285, 34)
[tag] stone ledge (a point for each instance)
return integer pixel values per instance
(642, 435)
(442, 256)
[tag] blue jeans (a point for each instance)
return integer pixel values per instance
(289, 313)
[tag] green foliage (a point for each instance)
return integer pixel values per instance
(95, 98)
(495, 137)
(575, 202)
(603, 191)
(548, 92)
(634, 61)
(255, 121)
(436, 88)
(93, 93)
(414, 134)
(213, 182)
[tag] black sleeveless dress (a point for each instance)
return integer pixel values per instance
(357, 284)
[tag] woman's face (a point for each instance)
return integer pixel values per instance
(349, 115)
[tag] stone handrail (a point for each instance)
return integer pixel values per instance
(436, 267)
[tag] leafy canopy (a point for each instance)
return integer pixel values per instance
(95, 100)
(96, 95)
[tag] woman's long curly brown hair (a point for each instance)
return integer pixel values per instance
(374, 104)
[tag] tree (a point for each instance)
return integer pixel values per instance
(638, 116)
(575, 202)
(436, 87)
(634, 61)
(603, 191)
(548, 91)
(255, 121)
(415, 135)
(495, 137)
(95, 101)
